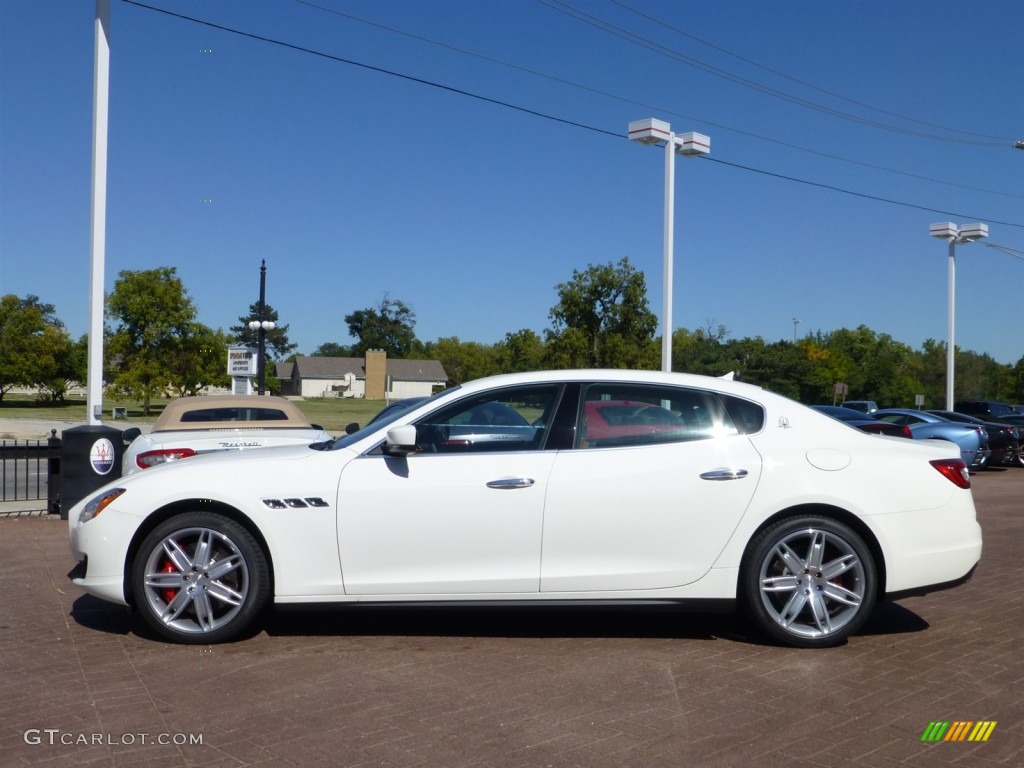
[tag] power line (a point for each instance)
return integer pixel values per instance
(651, 107)
(370, 67)
(864, 195)
(588, 18)
(804, 83)
(1015, 252)
(497, 102)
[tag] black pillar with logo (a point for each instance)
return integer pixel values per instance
(90, 457)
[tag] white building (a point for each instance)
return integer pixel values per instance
(374, 377)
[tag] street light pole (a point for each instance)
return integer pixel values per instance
(652, 131)
(98, 231)
(968, 233)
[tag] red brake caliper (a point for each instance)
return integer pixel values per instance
(168, 593)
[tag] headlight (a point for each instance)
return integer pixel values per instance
(98, 504)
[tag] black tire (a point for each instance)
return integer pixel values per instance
(808, 581)
(200, 578)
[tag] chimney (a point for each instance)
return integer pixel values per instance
(376, 365)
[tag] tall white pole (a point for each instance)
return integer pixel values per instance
(950, 343)
(666, 312)
(97, 256)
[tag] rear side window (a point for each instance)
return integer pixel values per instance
(615, 415)
(746, 416)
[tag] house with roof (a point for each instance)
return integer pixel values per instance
(373, 377)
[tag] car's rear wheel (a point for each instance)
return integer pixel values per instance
(200, 577)
(808, 581)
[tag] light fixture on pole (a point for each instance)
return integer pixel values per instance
(968, 233)
(652, 131)
(261, 326)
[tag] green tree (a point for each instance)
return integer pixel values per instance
(875, 366)
(152, 315)
(330, 349)
(602, 319)
(780, 367)
(200, 360)
(389, 326)
(1016, 383)
(35, 350)
(59, 363)
(702, 351)
(521, 350)
(462, 360)
(932, 361)
(277, 345)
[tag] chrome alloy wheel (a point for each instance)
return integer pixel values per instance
(814, 582)
(196, 580)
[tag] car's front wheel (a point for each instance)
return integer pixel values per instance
(200, 577)
(808, 581)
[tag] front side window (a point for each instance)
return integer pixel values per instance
(513, 419)
(615, 415)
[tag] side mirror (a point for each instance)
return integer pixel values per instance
(351, 428)
(401, 441)
(130, 434)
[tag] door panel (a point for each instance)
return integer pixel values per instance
(442, 524)
(644, 517)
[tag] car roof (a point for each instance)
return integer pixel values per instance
(230, 411)
(719, 383)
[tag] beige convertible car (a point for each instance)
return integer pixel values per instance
(196, 425)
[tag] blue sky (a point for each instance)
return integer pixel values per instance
(355, 184)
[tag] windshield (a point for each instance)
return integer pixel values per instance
(380, 421)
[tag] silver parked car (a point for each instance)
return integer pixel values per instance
(972, 438)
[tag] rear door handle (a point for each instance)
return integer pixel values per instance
(510, 483)
(724, 474)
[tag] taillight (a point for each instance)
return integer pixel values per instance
(907, 432)
(162, 456)
(955, 470)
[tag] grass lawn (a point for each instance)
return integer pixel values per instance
(332, 414)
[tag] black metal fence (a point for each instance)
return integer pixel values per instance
(30, 471)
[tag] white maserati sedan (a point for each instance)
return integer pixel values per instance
(561, 488)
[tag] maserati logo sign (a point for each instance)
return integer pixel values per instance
(101, 456)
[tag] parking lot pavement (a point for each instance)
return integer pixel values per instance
(82, 686)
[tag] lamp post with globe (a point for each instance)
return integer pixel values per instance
(261, 327)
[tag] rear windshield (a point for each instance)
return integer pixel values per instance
(233, 414)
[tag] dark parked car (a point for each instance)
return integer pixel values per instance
(994, 411)
(983, 408)
(1003, 439)
(989, 410)
(863, 421)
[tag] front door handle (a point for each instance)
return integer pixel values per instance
(509, 483)
(724, 474)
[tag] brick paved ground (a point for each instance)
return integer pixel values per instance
(529, 689)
